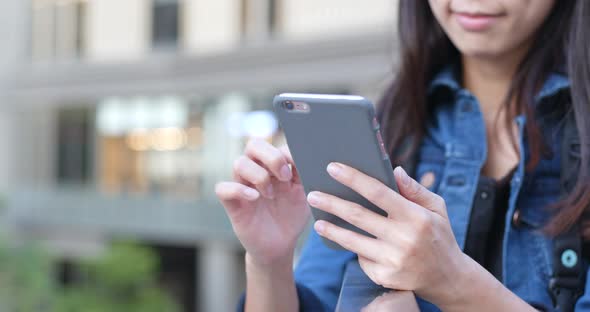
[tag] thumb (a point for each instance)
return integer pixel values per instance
(415, 192)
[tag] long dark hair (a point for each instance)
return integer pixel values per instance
(425, 50)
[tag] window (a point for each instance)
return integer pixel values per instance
(58, 30)
(245, 18)
(273, 16)
(260, 19)
(165, 24)
(74, 146)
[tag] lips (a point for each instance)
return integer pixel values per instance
(476, 21)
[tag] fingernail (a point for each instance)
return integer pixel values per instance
(250, 194)
(270, 192)
(406, 180)
(313, 199)
(320, 226)
(334, 169)
(286, 173)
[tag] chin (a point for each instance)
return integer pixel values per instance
(481, 50)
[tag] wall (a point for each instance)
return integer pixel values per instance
(211, 26)
(13, 52)
(306, 19)
(118, 30)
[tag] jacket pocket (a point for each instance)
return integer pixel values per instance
(535, 200)
(429, 170)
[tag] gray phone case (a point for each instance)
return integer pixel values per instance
(336, 129)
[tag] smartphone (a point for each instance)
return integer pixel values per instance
(321, 129)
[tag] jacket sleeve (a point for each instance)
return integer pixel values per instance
(583, 304)
(318, 275)
(321, 270)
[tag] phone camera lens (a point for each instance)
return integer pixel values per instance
(289, 105)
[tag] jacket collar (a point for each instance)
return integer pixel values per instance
(448, 79)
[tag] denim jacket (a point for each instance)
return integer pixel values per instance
(454, 149)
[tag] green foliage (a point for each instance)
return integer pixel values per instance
(25, 276)
(124, 279)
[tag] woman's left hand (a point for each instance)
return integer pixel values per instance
(414, 248)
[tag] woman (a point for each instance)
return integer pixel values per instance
(480, 98)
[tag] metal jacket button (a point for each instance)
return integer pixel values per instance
(516, 221)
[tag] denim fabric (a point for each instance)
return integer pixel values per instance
(454, 149)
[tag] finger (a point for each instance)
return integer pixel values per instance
(381, 274)
(251, 172)
(371, 189)
(355, 214)
(228, 192)
(365, 263)
(270, 157)
(415, 192)
(237, 178)
(287, 153)
(368, 266)
(360, 244)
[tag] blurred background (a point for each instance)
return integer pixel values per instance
(117, 118)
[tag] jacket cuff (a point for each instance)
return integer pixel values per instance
(308, 301)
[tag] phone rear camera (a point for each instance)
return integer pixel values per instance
(289, 105)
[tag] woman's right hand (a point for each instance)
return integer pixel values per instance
(265, 202)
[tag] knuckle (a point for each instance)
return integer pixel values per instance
(261, 178)
(224, 190)
(377, 193)
(392, 262)
(410, 252)
(255, 145)
(255, 176)
(328, 204)
(423, 223)
(275, 160)
(239, 163)
(416, 190)
(438, 200)
(355, 214)
(381, 277)
(378, 279)
(406, 258)
(347, 177)
(344, 240)
(251, 145)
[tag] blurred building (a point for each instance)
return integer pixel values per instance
(117, 117)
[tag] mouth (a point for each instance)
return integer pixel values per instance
(476, 22)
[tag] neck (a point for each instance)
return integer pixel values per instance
(489, 79)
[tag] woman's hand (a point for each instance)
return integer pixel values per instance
(265, 203)
(394, 300)
(414, 248)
